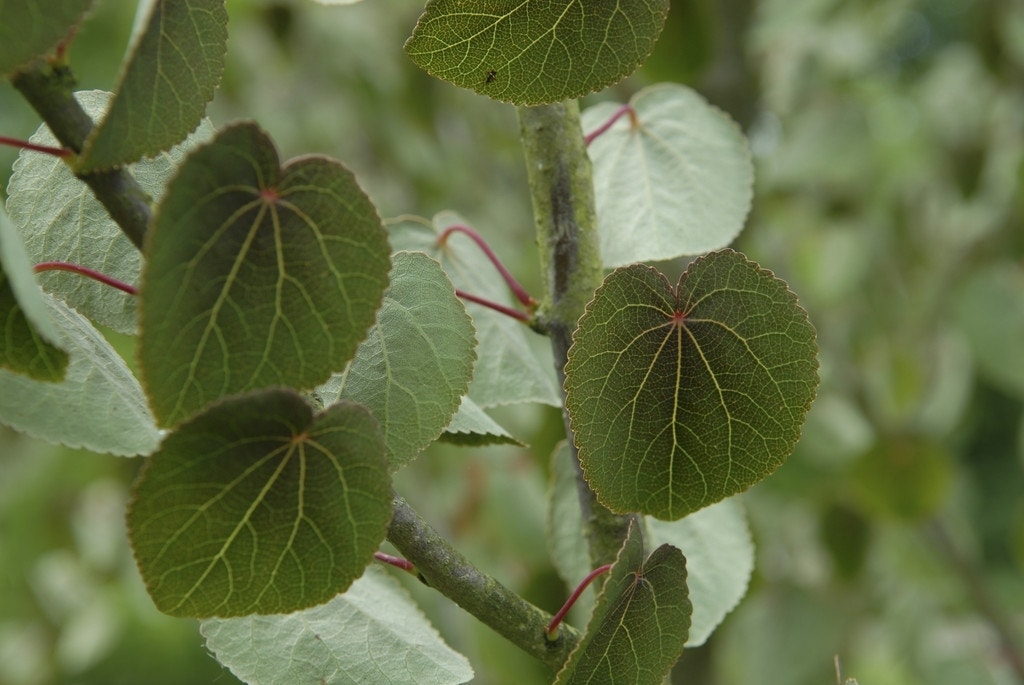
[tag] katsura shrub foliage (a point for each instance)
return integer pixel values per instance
(294, 351)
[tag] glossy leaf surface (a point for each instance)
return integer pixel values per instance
(170, 74)
(31, 29)
(510, 368)
(60, 219)
(257, 275)
(640, 623)
(373, 633)
(681, 396)
(258, 506)
(532, 52)
(416, 362)
(29, 337)
(679, 182)
(99, 404)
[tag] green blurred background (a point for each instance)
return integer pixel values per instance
(888, 137)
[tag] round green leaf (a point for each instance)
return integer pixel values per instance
(258, 506)
(677, 182)
(537, 51)
(256, 275)
(374, 633)
(679, 397)
(416, 363)
(640, 622)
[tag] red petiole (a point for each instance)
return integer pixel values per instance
(25, 145)
(552, 631)
(397, 562)
(87, 272)
(524, 297)
(624, 109)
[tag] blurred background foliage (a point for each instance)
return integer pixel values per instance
(889, 142)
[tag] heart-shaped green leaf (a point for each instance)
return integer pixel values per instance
(30, 338)
(258, 506)
(531, 52)
(677, 182)
(640, 622)
(680, 397)
(256, 276)
(30, 29)
(510, 367)
(416, 362)
(60, 219)
(171, 73)
(374, 633)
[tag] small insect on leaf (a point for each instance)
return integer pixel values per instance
(490, 76)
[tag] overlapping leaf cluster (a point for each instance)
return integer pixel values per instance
(290, 361)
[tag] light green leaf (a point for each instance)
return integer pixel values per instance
(99, 405)
(640, 622)
(416, 362)
(719, 560)
(567, 542)
(531, 52)
(29, 336)
(678, 182)
(31, 29)
(60, 219)
(172, 71)
(510, 369)
(258, 506)
(473, 427)
(715, 540)
(337, 2)
(679, 397)
(990, 311)
(256, 275)
(374, 633)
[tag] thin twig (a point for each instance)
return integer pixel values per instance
(446, 570)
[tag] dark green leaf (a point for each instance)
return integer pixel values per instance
(680, 397)
(172, 72)
(256, 275)
(532, 52)
(258, 506)
(28, 337)
(640, 623)
(30, 29)
(416, 363)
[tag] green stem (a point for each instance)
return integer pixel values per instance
(451, 574)
(562, 187)
(48, 89)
